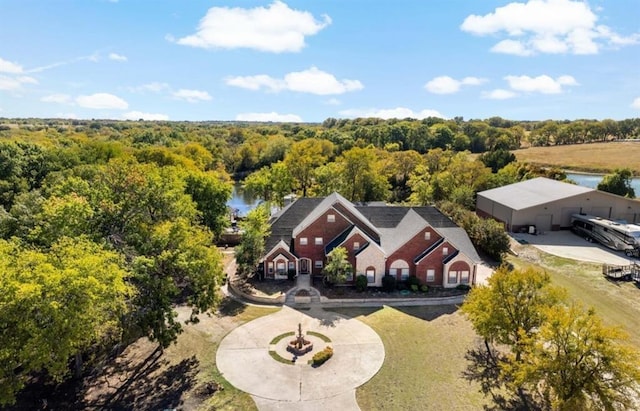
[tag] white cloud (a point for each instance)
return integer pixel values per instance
(102, 101)
(275, 28)
(192, 96)
(511, 47)
(10, 67)
(155, 87)
(333, 102)
(57, 98)
(541, 84)
(546, 26)
(137, 115)
(312, 80)
(273, 116)
(398, 112)
(15, 83)
(448, 85)
(499, 94)
(117, 57)
(636, 103)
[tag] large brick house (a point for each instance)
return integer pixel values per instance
(379, 239)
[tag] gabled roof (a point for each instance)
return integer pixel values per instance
(428, 250)
(534, 192)
(338, 240)
(460, 240)
(394, 238)
(283, 223)
(326, 204)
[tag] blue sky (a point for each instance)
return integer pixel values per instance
(309, 60)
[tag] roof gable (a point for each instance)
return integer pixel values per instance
(530, 193)
(326, 204)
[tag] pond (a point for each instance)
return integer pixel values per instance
(592, 180)
(242, 201)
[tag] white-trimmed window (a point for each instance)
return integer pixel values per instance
(270, 268)
(356, 246)
(292, 265)
(303, 241)
(404, 274)
(318, 241)
(393, 272)
(280, 267)
(371, 275)
(431, 275)
(445, 250)
(452, 277)
(464, 277)
(427, 235)
(318, 264)
(331, 218)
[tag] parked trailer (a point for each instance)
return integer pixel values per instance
(622, 272)
(613, 234)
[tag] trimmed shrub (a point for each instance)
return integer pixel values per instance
(413, 280)
(361, 283)
(424, 288)
(414, 288)
(389, 283)
(321, 357)
(464, 287)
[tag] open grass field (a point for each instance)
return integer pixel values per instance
(425, 357)
(618, 303)
(596, 157)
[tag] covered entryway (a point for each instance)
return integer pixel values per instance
(305, 266)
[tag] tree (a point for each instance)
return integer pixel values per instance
(210, 195)
(251, 248)
(361, 177)
(303, 158)
(618, 183)
(581, 364)
(511, 308)
(55, 305)
(338, 268)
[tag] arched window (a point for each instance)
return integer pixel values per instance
(399, 267)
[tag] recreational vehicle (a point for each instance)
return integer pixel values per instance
(613, 234)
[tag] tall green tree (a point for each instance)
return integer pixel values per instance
(579, 363)
(251, 248)
(54, 306)
(618, 183)
(304, 157)
(338, 268)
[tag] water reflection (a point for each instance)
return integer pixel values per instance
(242, 201)
(592, 181)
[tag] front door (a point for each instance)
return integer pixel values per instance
(304, 265)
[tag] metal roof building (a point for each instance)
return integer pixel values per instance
(548, 204)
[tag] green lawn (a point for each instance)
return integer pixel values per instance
(618, 303)
(424, 362)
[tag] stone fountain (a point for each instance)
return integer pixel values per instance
(299, 346)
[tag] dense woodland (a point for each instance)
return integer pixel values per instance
(105, 225)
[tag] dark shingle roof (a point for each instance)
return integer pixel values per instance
(286, 221)
(435, 217)
(338, 240)
(428, 250)
(383, 216)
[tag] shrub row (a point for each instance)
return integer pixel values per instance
(322, 356)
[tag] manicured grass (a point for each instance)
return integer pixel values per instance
(281, 336)
(424, 360)
(618, 303)
(596, 157)
(279, 358)
(319, 335)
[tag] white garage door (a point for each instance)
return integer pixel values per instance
(543, 222)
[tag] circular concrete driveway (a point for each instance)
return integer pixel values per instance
(243, 359)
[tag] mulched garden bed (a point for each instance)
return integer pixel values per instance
(349, 291)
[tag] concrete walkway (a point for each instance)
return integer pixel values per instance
(243, 359)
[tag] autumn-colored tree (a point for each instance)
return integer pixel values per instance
(338, 268)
